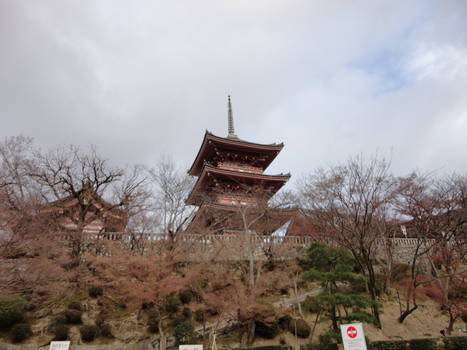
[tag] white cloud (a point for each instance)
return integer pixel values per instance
(446, 62)
(329, 78)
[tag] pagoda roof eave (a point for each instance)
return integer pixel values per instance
(208, 169)
(281, 214)
(196, 167)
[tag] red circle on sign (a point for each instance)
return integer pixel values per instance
(351, 332)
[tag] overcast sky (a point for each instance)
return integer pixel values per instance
(330, 79)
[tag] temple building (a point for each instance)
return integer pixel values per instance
(232, 190)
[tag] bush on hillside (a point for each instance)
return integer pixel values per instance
(311, 305)
(95, 291)
(60, 331)
(182, 331)
(330, 337)
(105, 330)
(389, 345)
(455, 343)
(20, 332)
(153, 321)
(422, 344)
(331, 346)
(301, 326)
(186, 296)
(172, 304)
(284, 322)
(75, 305)
(267, 331)
(12, 311)
(73, 316)
(187, 314)
(199, 315)
(101, 318)
(268, 347)
(88, 332)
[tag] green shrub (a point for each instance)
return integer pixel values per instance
(267, 331)
(12, 311)
(186, 312)
(331, 346)
(311, 305)
(20, 332)
(88, 332)
(199, 315)
(153, 321)
(186, 296)
(182, 331)
(302, 327)
(58, 319)
(389, 345)
(95, 291)
(60, 331)
(284, 322)
(105, 330)
(330, 337)
(75, 305)
(73, 316)
(422, 344)
(455, 343)
(172, 304)
(268, 347)
(101, 318)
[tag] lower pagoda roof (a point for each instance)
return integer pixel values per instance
(268, 184)
(223, 217)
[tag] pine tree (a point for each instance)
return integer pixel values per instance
(334, 268)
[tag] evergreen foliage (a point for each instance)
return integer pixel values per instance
(267, 331)
(88, 332)
(11, 311)
(95, 291)
(20, 332)
(301, 326)
(334, 268)
(73, 316)
(60, 331)
(183, 330)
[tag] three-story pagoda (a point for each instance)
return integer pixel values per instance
(232, 190)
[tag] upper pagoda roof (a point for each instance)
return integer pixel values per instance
(211, 142)
(248, 179)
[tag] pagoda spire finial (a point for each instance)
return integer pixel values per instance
(231, 130)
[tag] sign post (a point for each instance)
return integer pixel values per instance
(190, 347)
(353, 337)
(59, 345)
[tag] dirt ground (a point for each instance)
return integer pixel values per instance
(425, 322)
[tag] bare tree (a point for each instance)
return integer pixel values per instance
(171, 187)
(19, 197)
(351, 204)
(415, 204)
(74, 184)
(450, 232)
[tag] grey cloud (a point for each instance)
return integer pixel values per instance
(142, 79)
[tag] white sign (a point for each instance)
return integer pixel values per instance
(353, 337)
(59, 345)
(190, 347)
